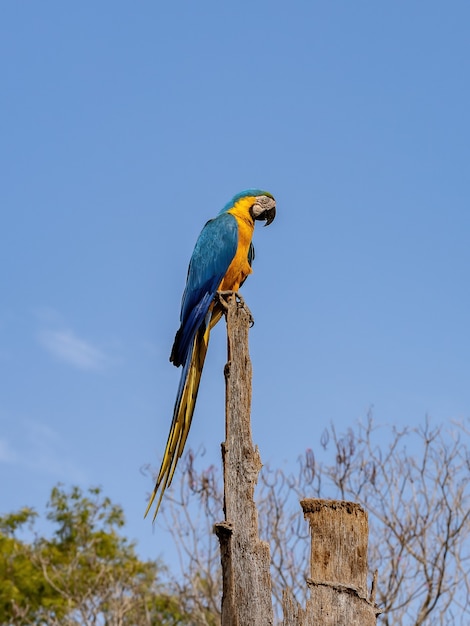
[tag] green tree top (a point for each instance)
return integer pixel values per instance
(87, 573)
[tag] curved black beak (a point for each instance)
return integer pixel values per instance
(268, 215)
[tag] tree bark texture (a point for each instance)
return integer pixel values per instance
(245, 558)
(338, 568)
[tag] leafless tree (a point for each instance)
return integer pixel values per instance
(417, 492)
(413, 482)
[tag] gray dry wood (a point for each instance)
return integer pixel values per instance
(339, 530)
(338, 568)
(245, 558)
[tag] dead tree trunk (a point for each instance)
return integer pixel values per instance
(339, 530)
(338, 568)
(245, 558)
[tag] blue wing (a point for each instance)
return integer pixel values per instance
(213, 253)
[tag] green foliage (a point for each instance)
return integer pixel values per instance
(86, 573)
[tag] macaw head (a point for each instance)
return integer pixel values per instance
(264, 208)
(260, 204)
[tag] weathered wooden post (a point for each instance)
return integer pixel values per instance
(339, 530)
(245, 558)
(338, 568)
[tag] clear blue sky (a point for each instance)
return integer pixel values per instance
(126, 125)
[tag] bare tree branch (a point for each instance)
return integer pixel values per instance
(414, 484)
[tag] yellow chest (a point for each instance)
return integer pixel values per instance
(239, 268)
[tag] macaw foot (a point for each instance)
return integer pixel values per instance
(223, 296)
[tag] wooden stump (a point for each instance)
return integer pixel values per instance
(338, 568)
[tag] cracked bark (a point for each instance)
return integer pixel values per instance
(338, 568)
(245, 558)
(339, 530)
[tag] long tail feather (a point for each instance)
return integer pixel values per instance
(182, 414)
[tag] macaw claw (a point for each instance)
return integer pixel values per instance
(223, 296)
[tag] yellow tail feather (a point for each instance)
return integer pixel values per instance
(183, 414)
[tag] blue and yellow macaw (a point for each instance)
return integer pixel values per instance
(221, 261)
